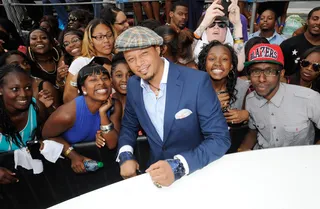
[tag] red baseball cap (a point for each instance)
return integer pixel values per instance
(269, 53)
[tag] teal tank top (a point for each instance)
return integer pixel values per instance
(25, 133)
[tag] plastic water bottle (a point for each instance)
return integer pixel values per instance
(92, 165)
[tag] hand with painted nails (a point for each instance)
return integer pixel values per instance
(100, 141)
(7, 177)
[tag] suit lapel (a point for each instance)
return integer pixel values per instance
(173, 91)
(152, 133)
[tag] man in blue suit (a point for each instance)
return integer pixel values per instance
(176, 107)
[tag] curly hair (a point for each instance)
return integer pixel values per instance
(7, 127)
(232, 76)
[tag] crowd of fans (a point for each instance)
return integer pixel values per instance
(62, 85)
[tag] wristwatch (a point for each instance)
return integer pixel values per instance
(177, 168)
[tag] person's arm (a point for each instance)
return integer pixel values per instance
(113, 123)
(60, 121)
(313, 108)
(249, 140)
(70, 90)
(128, 137)
(234, 17)
(283, 17)
(7, 176)
(213, 11)
(54, 93)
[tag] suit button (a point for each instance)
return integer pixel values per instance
(164, 148)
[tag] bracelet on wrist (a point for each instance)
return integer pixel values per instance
(67, 152)
(124, 156)
(106, 128)
(177, 168)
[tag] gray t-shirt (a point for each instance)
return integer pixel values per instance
(285, 120)
(242, 88)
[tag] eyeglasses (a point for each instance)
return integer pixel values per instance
(220, 24)
(67, 43)
(315, 66)
(266, 72)
(121, 23)
(101, 37)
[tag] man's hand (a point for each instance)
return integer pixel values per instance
(7, 177)
(129, 168)
(161, 173)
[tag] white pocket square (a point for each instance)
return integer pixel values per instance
(183, 114)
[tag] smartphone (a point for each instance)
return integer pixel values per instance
(225, 4)
(34, 149)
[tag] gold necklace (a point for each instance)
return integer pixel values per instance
(157, 89)
(42, 68)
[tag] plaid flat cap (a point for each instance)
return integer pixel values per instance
(137, 38)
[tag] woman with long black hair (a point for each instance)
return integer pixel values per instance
(220, 61)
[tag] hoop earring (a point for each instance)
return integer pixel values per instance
(31, 54)
(57, 53)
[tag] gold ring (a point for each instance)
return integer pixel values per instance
(157, 184)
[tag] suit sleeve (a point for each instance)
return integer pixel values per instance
(213, 127)
(130, 123)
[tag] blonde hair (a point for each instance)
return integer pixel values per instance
(87, 47)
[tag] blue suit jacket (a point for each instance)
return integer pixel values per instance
(200, 138)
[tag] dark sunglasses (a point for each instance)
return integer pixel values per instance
(306, 63)
(220, 24)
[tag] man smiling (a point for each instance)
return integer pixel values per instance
(294, 47)
(280, 114)
(176, 107)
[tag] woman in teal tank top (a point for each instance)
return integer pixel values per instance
(21, 115)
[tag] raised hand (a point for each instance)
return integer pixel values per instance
(62, 72)
(213, 11)
(46, 98)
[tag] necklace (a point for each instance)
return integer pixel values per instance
(53, 72)
(157, 89)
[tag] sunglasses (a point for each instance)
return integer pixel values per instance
(220, 24)
(315, 66)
